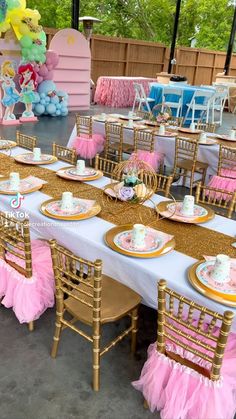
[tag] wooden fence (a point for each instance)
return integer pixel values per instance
(131, 57)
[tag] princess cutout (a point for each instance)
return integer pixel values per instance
(28, 85)
(11, 96)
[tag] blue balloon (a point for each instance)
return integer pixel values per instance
(39, 109)
(43, 102)
(36, 97)
(58, 112)
(55, 99)
(46, 86)
(47, 100)
(58, 106)
(64, 112)
(42, 95)
(51, 108)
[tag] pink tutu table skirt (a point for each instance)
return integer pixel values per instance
(154, 159)
(28, 297)
(87, 147)
(180, 392)
(118, 92)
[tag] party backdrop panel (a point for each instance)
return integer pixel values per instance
(72, 74)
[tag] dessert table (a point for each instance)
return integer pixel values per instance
(86, 237)
(118, 92)
(188, 92)
(207, 153)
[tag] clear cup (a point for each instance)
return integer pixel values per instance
(192, 126)
(162, 129)
(203, 137)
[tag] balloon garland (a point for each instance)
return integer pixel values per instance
(25, 23)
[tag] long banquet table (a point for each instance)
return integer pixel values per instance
(86, 237)
(207, 153)
(118, 92)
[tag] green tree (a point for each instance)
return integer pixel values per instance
(208, 20)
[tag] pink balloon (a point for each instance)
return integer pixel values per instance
(52, 58)
(49, 76)
(40, 79)
(50, 66)
(43, 71)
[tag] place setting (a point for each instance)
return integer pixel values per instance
(14, 184)
(69, 208)
(35, 158)
(80, 172)
(215, 277)
(230, 137)
(185, 211)
(6, 144)
(162, 132)
(204, 139)
(139, 241)
(191, 130)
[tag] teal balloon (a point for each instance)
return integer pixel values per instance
(42, 37)
(13, 4)
(42, 59)
(26, 41)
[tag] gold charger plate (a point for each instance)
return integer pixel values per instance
(109, 240)
(61, 173)
(2, 192)
(20, 159)
(10, 144)
(189, 131)
(91, 213)
(162, 207)
(208, 292)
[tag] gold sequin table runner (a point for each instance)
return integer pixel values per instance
(192, 240)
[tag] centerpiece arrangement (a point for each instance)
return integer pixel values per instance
(132, 181)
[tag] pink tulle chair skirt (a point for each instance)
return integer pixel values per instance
(154, 158)
(228, 173)
(179, 392)
(87, 147)
(222, 183)
(28, 297)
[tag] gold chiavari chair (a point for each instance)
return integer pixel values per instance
(84, 125)
(227, 162)
(163, 184)
(186, 163)
(204, 126)
(105, 165)
(193, 340)
(144, 114)
(93, 299)
(15, 240)
(64, 153)
(114, 143)
(170, 323)
(25, 141)
(176, 121)
(217, 198)
(143, 140)
(26, 257)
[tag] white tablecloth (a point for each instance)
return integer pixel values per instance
(207, 153)
(85, 238)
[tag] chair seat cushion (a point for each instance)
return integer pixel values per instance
(188, 164)
(117, 300)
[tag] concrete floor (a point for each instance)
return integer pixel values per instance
(32, 385)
